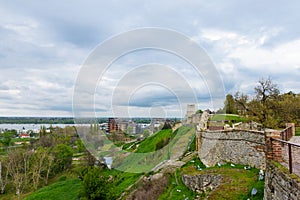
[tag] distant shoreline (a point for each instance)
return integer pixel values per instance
(63, 120)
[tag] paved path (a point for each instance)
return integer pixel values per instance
(295, 155)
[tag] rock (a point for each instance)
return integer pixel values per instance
(253, 191)
(202, 182)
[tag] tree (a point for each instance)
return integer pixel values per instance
(38, 165)
(48, 166)
(62, 156)
(18, 164)
(230, 105)
(3, 174)
(96, 186)
(6, 138)
(241, 101)
(267, 95)
(266, 90)
(199, 111)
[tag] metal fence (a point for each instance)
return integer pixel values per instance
(289, 153)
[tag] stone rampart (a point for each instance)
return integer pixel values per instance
(235, 146)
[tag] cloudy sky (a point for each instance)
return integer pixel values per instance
(44, 45)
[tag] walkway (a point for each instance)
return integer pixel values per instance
(295, 155)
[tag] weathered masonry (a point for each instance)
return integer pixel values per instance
(260, 149)
(247, 147)
(235, 146)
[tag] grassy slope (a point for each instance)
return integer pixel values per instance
(69, 189)
(149, 144)
(228, 117)
(145, 156)
(237, 182)
(61, 190)
(176, 189)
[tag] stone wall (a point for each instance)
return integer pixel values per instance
(235, 146)
(279, 185)
(202, 182)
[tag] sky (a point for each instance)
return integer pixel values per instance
(45, 45)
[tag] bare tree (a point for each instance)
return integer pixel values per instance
(48, 164)
(37, 165)
(18, 162)
(266, 90)
(3, 174)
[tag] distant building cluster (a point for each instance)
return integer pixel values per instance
(130, 127)
(126, 125)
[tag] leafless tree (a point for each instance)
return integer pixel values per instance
(3, 174)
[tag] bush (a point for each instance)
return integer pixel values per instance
(96, 186)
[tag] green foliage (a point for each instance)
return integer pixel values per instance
(297, 131)
(96, 186)
(269, 107)
(64, 189)
(6, 138)
(62, 156)
(230, 105)
(199, 111)
(121, 181)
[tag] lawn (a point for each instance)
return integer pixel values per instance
(228, 117)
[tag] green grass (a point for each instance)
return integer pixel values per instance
(237, 182)
(176, 189)
(297, 130)
(150, 143)
(228, 117)
(147, 156)
(121, 180)
(61, 190)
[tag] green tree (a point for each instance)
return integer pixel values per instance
(62, 157)
(199, 111)
(96, 186)
(6, 138)
(230, 105)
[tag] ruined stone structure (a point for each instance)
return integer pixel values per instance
(202, 182)
(235, 146)
(255, 148)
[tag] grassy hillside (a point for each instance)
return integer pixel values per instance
(156, 141)
(228, 117)
(237, 182)
(60, 190)
(154, 150)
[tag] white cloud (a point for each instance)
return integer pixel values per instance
(43, 46)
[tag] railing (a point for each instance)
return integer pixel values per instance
(287, 133)
(287, 151)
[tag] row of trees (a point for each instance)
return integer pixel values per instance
(268, 106)
(24, 169)
(28, 167)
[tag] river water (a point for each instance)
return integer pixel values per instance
(34, 126)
